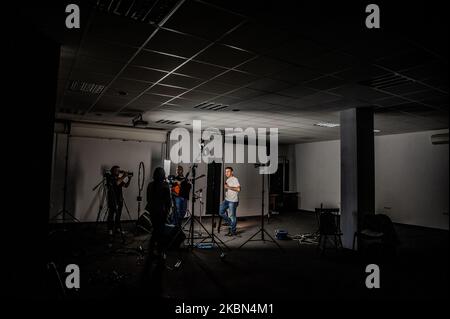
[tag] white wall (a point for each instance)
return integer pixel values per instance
(411, 177)
(318, 174)
(88, 157)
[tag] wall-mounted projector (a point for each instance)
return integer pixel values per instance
(138, 121)
(438, 139)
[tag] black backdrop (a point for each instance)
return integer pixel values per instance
(214, 183)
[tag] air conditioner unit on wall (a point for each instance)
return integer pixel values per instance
(437, 139)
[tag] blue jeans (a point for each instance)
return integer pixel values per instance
(231, 217)
(181, 206)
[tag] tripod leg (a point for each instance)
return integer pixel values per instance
(126, 208)
(250, 238)
(273, 239)
(212, 237)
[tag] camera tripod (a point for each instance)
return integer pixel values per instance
(102, 188)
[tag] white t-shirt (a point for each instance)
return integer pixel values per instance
(230, 195)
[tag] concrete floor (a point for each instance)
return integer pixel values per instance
(257, 271)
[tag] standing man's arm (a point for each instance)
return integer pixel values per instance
(233, 188)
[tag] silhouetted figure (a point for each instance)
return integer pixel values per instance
(158, 205)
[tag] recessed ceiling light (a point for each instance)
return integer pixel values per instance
(376, 131)
(327, 124)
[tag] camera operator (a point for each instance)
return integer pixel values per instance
(116, 181)
(180, 191)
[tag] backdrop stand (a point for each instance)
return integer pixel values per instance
(64, 210)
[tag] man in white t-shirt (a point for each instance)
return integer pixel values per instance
(231, 202)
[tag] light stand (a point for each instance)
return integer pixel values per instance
(192, 219)
(64, 210)
(141, 179)
(261, 229)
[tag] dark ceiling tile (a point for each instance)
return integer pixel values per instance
(264, 66)
(359, 92)
(361, 73)
(406, 60)
(200, 70)
(268, 85)
(390, 101)
(181, 102)
(295, 75)
(110, 103)
(114, 28)
(438, 81)
(129, 86)
(143, 74)
(145, 102)
(274, 98)
(90, 77)
(102, 49)
(121, 94)
(156, 98)
(426, 94)
(426, 71)
(406, 88)
(226, 100)
(375, 47)
(156, 61)
(77, 100)
(315, 100)
(297, 91)
(166, 90)
(332, 62)
(181, 81)
(438, 101)
(246, 93)
(255, 37)
(176, 43)
(236, 78)
(298, 51)
(98, 65)
(198, 95)
(223, 56)
(412, 108)
(201, 20)
(324, 83)
(215, 87)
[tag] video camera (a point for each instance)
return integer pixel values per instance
(107, 172)
(127, 172)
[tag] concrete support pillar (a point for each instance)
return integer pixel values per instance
(357, 170)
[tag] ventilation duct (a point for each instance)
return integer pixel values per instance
(438, 139)
(112, 132)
